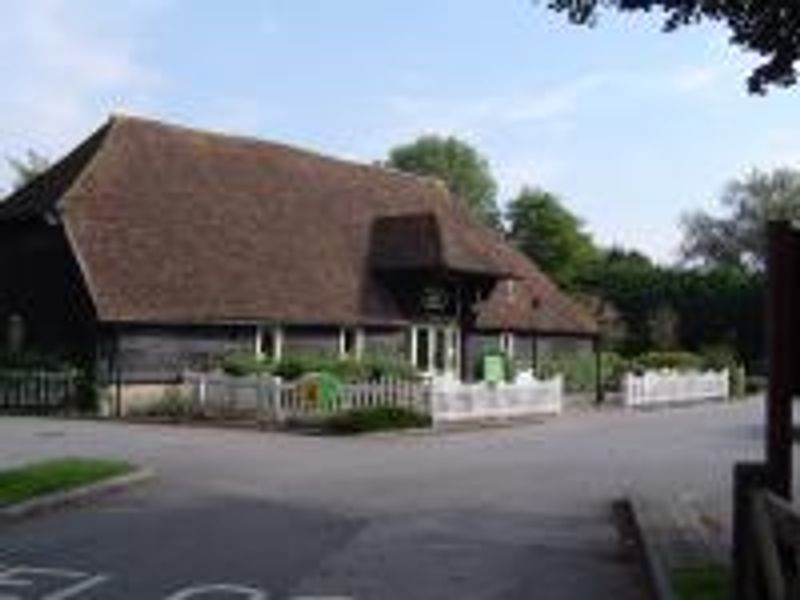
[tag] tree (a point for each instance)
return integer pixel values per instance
(551, 235)
(675, 307)
(719, 307)
(28, 167)
(738, 238)
(664, 326)
(634, 286)
(463, 170)
(768, 28)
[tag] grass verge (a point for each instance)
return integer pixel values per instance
(58, 475)
(708, 582)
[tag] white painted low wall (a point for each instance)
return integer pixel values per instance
(672, 387)
(454, 401)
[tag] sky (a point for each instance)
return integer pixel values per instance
(631, 127)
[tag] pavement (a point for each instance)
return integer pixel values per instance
(511, 513)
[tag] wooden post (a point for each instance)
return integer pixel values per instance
(748, 478)
(600, 393)
(781, 303)
(783, 328)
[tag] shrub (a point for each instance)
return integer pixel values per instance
(88, 392)
(679, 361)
(242, 364)
(387, 367)
(378, 418)
(369, 368)
(173, 404)
(614, 368)
(346, 369)
(738, 382)
(580, 370)
(755, 384)
(294, 366)
(719, 357)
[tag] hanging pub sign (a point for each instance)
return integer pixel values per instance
(434, 300)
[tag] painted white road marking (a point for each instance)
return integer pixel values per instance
(200, 590)
(29, 577)
(78, 588)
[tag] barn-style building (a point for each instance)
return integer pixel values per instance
(153, 248)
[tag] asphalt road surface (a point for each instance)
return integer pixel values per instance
(516, 513)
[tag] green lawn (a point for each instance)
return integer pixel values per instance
(710, 582)
(46, 477)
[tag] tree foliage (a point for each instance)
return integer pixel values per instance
(768, 28)
(677, 307)
(28, 167)
(463, 170)
(663, 328)
(738, 237)
(541, 227)
(631, 283)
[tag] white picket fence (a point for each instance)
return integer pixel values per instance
(653, 388)
(454, 401)
(445, 399)
(271, 399)
(296, 400)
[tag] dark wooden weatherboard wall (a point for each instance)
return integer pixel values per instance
(161, 353)
(40, 281)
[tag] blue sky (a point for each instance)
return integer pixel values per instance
(632, 127)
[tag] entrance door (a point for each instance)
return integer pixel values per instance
(435, 349)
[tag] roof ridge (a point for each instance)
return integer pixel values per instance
(119, 118)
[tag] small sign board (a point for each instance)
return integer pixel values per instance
(434, 300)
(494, 369)
(320, 391)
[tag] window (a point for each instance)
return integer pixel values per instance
(350, 342)
(269, 342)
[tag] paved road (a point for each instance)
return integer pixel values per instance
(498, 514)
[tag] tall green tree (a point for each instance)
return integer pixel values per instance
(630, 282)
(28, 167)
(551, 235)
(678, 307)
(463, 170)
(664, 326)
(737, 238)
(767, 28)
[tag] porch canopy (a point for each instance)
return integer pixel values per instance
(432, 267)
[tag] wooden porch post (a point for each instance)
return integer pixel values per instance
(600, 393)
(782, 298)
